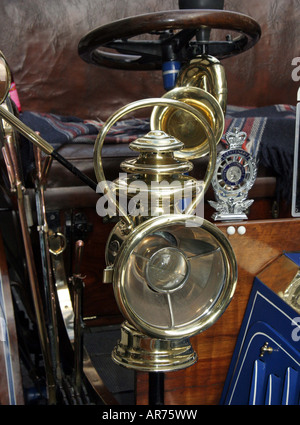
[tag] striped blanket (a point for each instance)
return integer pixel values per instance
(58, 130)
(270, 134)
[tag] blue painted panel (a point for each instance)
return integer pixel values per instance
(294, 256)
(250, 382)
(290, 394)
(257, 392)
(274, 390)
(267, 319)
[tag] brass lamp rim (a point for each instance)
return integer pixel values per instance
(198, 325)
(5, 85)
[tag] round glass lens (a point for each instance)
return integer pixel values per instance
(167, 270)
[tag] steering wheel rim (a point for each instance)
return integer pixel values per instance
(188, 20)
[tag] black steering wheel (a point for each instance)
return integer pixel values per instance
(181, 45)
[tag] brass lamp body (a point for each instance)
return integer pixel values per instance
(153, 257)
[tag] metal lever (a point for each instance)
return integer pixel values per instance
(38, 141)
(15, 177)
(78, 285)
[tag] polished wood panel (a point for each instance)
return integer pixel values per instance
(285, 271)
(203, 382)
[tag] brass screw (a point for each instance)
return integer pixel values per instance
(265, 349)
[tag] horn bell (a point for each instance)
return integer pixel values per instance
(185, 127)
(201, 84)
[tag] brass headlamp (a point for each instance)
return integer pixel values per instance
(173, 273)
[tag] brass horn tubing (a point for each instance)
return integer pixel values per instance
(98, 166)
(210, 77)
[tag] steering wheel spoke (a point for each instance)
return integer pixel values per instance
(218, 49)
(150, 49)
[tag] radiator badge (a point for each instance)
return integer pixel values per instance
(234, 175)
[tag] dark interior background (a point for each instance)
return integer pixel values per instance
(40, 43)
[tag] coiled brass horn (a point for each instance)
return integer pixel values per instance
(207, 73)
(202, 84)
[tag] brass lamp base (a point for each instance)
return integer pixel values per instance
(138, 351)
